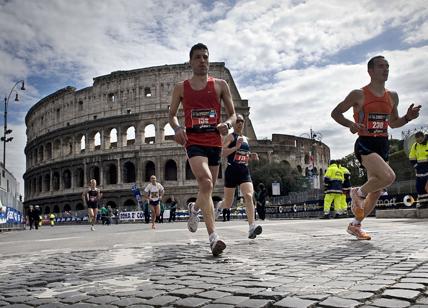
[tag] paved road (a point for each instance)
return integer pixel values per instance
(294, 263)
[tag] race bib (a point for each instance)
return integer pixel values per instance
(241, 157)
(204, 118)
(377, 123)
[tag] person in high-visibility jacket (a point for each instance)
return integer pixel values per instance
(419, 158)
(52, 219)
(333, 181)
(346, 189)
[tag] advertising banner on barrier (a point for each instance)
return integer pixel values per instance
(10, 215)
(124, 216)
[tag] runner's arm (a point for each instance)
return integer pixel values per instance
(352, 100)
(226, 97)
(395, 120)
(180, 133)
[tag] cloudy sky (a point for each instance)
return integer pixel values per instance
(293, 60)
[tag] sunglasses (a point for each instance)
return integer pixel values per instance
(239, 120)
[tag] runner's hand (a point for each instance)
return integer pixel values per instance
(413, 112)
(355, 127)
(180, 136)
(222, 129)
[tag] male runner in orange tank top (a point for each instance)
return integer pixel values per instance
(375, 108)
(201, 97)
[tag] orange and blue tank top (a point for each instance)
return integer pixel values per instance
(202, 113)
(375, 114)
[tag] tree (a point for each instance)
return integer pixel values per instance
(266, 172)
(358, 173)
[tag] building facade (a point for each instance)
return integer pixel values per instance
(117, 132)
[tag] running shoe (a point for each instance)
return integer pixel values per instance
(218, 209)
(92, 228)
(192, 223)
(358, 232)
(256, 230)
(217, 247)
(357, 204)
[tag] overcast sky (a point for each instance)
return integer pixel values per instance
(293, 60)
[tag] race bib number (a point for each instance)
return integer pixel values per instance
(92, 198)
(377, 123)
(241, 157)
(204, 118)
(154, 194)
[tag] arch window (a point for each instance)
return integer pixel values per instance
(79, 176)
(111, 174)
(41, 152)
(112, 204)
(79, 207)
(130, 135)
(67, 208)
(66, 178)
(168, 133)
(47, 182)
(55, 181)
(149, 171)
(128, 172)
(82, 144)
(150, 134)
(56, 209)
(171, 170)
(48, 150)
(47, 210)
(113, 138)
(97, 141)
(94, 173)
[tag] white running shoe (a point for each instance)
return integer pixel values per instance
(217, 246)
(92, 228)
(256, 230)
(192, 223)
(218, 208)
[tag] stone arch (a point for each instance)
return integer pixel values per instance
(111, 139)
(48, 150)
(79, 177)
(47, 210)
(56, 209)
(299, 169)
(67, 146)
(57, 148)
(111, 174)
(55, 181)
(285, 163)
(97, 141)
(82, 143)
(149, 170)
(150, 134)
(39, 184)
(130, 135)
(129, 204)
(41, 153)
(94, 173)
(67, 207)
(79, 207)
(128, 172)
(170, 170)
(47, 182)
(66, 178)
(168, 133)
(112, 204)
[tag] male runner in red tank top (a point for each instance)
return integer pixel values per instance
(201, 96)
(375, 108)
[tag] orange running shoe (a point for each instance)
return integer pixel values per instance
(359, 233)
(357, 204)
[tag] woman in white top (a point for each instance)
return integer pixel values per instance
(153, 193)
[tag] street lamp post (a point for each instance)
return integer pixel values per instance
(6, 131)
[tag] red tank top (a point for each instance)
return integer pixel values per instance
(202, 113)
(375, 114)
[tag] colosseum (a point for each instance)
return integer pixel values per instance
(117, 132)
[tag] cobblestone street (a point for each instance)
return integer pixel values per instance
(293, 263)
